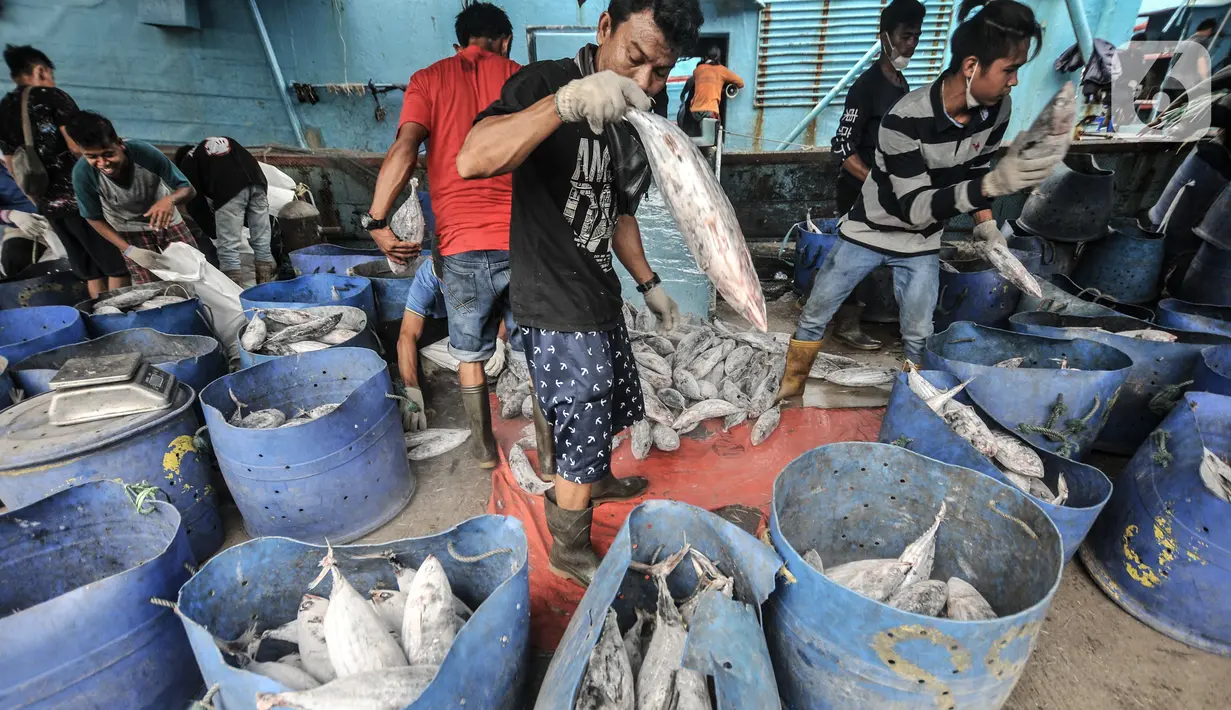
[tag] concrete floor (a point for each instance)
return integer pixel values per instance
(1090, 654)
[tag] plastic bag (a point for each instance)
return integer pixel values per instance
(220, 295)
(407, 223)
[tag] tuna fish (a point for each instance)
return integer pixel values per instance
(1016, 456)
(285, 316)
(337, 336)
(408, 225)
(927, 597)
(641, 438)
(608, 682)
(306, 346)
(813, 558)
(655, 410)
(263, 419)
(527, 407)
(254, 334)
(708, 409)
(656, 681)
(862, 376)
(708, 389)
(434, 442)
(965, 603)
(390, 604)
(634, 645)
(524, 474)
(687, 384)
(706, 362)
(766, 424)
(874, 579)
(312, 650)
(922, 552)
(1012, 269)
(731, 421)
(389, 689)
(1052, 130)
(106, 311)
(129, 299)
(1158, 336)
(672, 398)
(1011, 362)
(665, 438)
(737, 360)
(428, 628)
(354, 634)
(286, 674)
(308, 330)
(648, 359)
(1216, 475)
(731, 392)
(702, 213)
(159, 302)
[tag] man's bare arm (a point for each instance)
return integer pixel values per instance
(395, 171)
(626, 243)
(981, 216)
(499, 144)
(408, 348)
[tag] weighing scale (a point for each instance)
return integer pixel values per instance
(87, 389)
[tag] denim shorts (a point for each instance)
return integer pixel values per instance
(476, 286)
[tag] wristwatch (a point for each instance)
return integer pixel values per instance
(645, 287)
(368, 222)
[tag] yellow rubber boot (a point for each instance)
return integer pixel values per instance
(799, 359)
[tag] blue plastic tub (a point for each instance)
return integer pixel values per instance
(811, 248)
(196, 360)
(312, 290)
(330, 259)
(79, 630)
(725, 640)
(1158, 369)
(6, 384)
(364, 338)
(48, 283)
(834, 648)
(390, 290)
(338, 477)
(978, 293)
(26, 331)
(1213, 371)
(1028, 395)
(1059, 289)
(1201, 317)
(156, 448)
(1209, 275)
(183, 318)
(1126, 265)
(264, 580)
(1162, 548)
(927, 434)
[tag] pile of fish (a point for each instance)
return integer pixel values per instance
(1021, 465)
(138, 299)
(347, 651)
(272, 418)
(905, 582)
(285, 331)
(641, 669)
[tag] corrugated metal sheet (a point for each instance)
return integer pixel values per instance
(805, 46)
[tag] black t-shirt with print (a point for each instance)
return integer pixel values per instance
(50, 108)
(565, 205)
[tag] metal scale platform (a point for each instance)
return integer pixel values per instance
(92, 388)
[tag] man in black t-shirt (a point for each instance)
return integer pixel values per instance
(578, 174)
(854, 144)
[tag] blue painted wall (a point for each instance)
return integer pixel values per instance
(178, 85)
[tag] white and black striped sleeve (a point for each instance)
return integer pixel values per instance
(912, 197)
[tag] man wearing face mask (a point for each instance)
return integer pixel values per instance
(932, 161)
(868, 100)
(578, 175)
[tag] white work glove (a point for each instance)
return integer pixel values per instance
(989, 234)
(495, 364)
(663, 308)
(599, 99)
(142, 257)
(1013, 173)
(32, 225)
(410, 407)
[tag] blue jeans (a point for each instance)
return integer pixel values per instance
(916, 281)
(251, 205)
(476, 286)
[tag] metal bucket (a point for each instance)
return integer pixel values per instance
(6, 384)
(330, 259)
(47, 283)
(977, 292)
(1155, 382)
(1073, 204)
(364, 338)
(1209, 276)
(26, 331)
(183, 318)
(195, 360)
(264, 580)
(1182, 315)
(1054, 257)
(390, 290)
(156, 448)
(338, 477)
(1031, 394)
(79, 630)
(1213, 371)
(1126, 265)
(312, 290)
(811, 248)
(926, 433)
(834, 648)
(1160, 549)
(725, 639)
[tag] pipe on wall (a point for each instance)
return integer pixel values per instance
(1081, 28)
(828, 98)
(279, 82)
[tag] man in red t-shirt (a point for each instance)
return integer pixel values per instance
(472, 216)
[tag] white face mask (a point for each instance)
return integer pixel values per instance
(898, 61)
(971, 102)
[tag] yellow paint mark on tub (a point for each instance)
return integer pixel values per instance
(1011, 669)
(885, 645)
(179, 447)
(1162, 535)
(1136, 569)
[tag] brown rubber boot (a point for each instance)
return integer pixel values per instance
(799, 359)
(545, 442)
(847, 328)
(236, 276)
(609, 488)
(571, 555)
(266, 271)
(479, 414)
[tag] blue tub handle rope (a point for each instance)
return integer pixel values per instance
(471, 559)
(207, 701)
(141, 493)
(957, 302)
(785, 239)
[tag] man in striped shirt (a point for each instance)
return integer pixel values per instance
(932, 162)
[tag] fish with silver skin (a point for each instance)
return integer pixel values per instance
(921, 553)
(313, 652)
(159, 302)
(862, 376)
(428, 628)
(1215, 475)
(434, 442)
(523, 473)
(355, 637)
(388, 689)
(337, 336)
(309, 330)
(254, 334)
(766, 424)
(874, 579)
(702, 213)
(407, 225)
(286, 674)
(927, 597)
(664, 437)
(707, 409)
(608, 680)
(128, 299)
(965, 603)
(672, 398)
(641, 439)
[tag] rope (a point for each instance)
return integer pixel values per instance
(191, 568)
(961, 340)
(1166, 399)
(771, 140)
(207, 701)
(957, 303)
(476, 558)
(903, 441)
(1059, 409)
(200, 443)
(164, 603)
(140, 494)
(1076, 426)
(1162, 457)
(1046, 432)
(413, 406)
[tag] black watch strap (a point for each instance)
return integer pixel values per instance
(645, 287)
(370, 222)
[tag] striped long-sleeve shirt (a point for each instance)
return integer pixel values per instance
(927, 169)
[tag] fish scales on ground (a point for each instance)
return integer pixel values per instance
(428, 628)
(702, 213)
(388, 689)
(355, 636)
(766, 424)
(608, 680)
